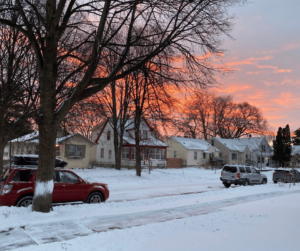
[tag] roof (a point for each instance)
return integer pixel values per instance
(295, 150)
(129, 125)
(240, 144)
(33, 138)
(193, 144)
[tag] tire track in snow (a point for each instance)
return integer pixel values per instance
(39, 234)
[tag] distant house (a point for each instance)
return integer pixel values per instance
(239, 151)
(150, 147)
(193, 152)
(72, 148)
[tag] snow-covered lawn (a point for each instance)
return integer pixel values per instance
(170, 209)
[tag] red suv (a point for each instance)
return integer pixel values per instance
(17, 186)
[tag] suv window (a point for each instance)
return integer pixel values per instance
(242, 169)
(5, 174)
(67, 177)
(231, 169)
(23, 175)
(248, 169)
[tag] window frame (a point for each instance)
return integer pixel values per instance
(123, 148)
(102, 153)
(108, 136)
(145, 131)
(195, 155)
(234, 154)
(175, 154)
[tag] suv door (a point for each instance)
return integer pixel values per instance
(22, 179)
(256, 176)
(73, 190)
(59, 190)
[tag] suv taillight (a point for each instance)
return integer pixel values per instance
(287, 174)
(239, 175)
(274, 173)
(221, 173)
(6, 189)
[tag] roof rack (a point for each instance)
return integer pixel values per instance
(32, 160)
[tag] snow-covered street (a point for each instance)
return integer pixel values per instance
(170, 209)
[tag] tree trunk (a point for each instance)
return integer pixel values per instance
(137, 148)
(42, 201)
(2, 146)
(117, 149)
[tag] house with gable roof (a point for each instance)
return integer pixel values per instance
(151, 148)
(72, 148)
(193, 152)
(239, 151)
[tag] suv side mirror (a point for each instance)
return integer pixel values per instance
(80, 181)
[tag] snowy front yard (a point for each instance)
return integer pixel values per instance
(170, 209)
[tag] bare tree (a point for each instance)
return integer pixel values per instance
(17, 92)
(72, 38)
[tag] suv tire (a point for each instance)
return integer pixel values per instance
(25, 201)
(264, 182)
(95, 197)
(246, 183)
(275, 181)
(227, 185)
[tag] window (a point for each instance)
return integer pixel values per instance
(212, 155)
(263, 148)
(75, 151)
(147, 153)
(242, 169)
(152, 153)
(125, 153)
(102, 153)
(157, 153)
(108, 135)
(258, 159)
(262, 159)
(230, 169)
(109, 154)
(233, 156)
(248, 169)
(36, 149)
(212, 142)
(66, 177)
(204, 155)
(220, 154)
(23, 175)
(144, 134)
(246, 156)
(195, 155)
(132, 152)
(29, 151)
(5, 154)
(175, 154)
(163, 154)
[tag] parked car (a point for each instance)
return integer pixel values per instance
(286, 175)
(17, 184)
(241, 175)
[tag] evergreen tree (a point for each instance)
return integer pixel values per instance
(287, 144)
(278, 147)
(296, 140)
(282, 145)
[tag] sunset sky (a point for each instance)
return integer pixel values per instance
(265, 57)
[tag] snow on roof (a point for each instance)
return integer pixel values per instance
(26, 137)
(33, 138)
(193, 144)
(240, 144)
(295, 150)
(152, 141)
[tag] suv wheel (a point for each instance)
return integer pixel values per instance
(275, 181)
(246, 183)
(264, 182)
(25, 201)
(95, 197)
(227, 185)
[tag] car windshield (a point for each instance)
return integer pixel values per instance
(6, 173)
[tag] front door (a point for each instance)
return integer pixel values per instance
(73, 189)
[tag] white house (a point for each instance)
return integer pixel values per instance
(193, 152)
(151, 149)
(239, 151)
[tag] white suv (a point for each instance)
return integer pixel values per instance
(241, 175)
